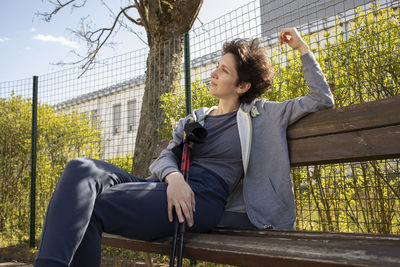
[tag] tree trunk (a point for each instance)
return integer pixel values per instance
(163, 74)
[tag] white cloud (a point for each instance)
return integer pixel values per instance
(4, 39)
(61, 40)
(32, 30)
(28, 48)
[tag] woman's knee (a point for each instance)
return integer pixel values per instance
(78, 169)
(77, 163)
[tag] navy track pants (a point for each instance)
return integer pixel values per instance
(94, 196)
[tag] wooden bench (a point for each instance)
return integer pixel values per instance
(367, 131)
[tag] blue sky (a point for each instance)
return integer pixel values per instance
(28, 45)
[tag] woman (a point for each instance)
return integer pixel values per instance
(246, 139)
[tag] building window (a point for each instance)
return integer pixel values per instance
(94, 119)
(116, 118)
(132, 115)
(84, 116)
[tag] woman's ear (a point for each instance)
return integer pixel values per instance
(243, 88)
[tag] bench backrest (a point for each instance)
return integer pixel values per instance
(366, 131)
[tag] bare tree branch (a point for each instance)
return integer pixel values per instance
(95, 37)
(58, 6)
(109, 9)
(140, 6)
(123, 24)
(137, 22)
(78, 6)
(95, 40)
(154, 15)
(129, 29)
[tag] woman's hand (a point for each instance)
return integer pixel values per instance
(292, 37)
(180, 196)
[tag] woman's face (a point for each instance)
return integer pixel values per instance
(224, 78)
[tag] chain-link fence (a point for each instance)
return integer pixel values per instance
(97, 115)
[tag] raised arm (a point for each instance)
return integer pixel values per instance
(319, 97)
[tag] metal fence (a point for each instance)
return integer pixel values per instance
(356, 43)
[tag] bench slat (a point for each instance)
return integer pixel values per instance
(278, 248)
(374, 114)
(366, 131)
(371, 144)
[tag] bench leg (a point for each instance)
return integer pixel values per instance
(147, 259)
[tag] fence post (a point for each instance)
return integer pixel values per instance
(33, 160)
(188, 83)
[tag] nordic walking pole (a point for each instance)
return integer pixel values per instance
(185, 170)
(193, 132)
(174, 240)
(179, 228)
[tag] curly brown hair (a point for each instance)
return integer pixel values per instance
(252, 66)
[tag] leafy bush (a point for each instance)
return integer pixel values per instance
(61, 137)
(361, 66)
(123, 162)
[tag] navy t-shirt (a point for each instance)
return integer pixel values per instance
(221, 152)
